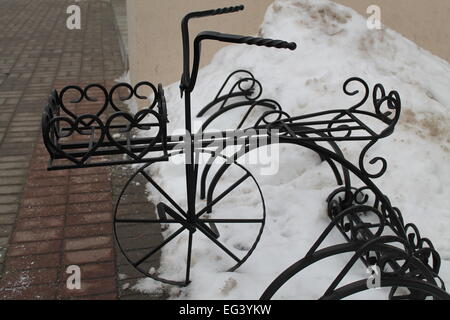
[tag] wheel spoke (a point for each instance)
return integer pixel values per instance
(144, 221)
(221, 246)
(139, 262)
(163, 193)
(223, 194)
(188, 262)
(232, 220)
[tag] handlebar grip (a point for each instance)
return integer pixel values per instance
(214, 12)
(270, 43)
(231, 38)
(228, 10)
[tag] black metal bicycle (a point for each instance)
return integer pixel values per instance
(374, 230)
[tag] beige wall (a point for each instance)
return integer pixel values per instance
(155, 49)
(426, 22)
(155, 36)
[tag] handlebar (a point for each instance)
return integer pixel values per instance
(189, 77)
(185, 79)
(231, 38)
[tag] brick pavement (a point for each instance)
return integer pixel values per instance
(49, 220)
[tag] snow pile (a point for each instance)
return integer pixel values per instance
(333, 45)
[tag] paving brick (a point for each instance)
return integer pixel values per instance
(8, 208)
(87, 179)
(29, 277)
(13, 173)
(89, 218)
(13, 165)
(40, 222)
(5, 116)
(40, 159)
(133, 209)
(25, 123)
(90, 207)
(14, 148)
(7, 219)
(43, 292)
(89, 197)
(11, 189)
(45, 191)
(88, 256)
(88, 230)
(42, 211)
(91, 171)
(51, 260)
(10, 198)
(48, 182)
(88, 243)
(39, 165)
(44, 201)
(47, 174)
(89, 187)
(13, 140)
(38, 235)
(30, 248)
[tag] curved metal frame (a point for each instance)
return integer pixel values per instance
(300, 134)
(427, 286)
(248, 93)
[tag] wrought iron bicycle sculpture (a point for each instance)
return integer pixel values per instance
(374, 230)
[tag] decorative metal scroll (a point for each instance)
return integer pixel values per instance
(84, 139)
(384, 239)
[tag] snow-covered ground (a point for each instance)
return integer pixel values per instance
(334, 44)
